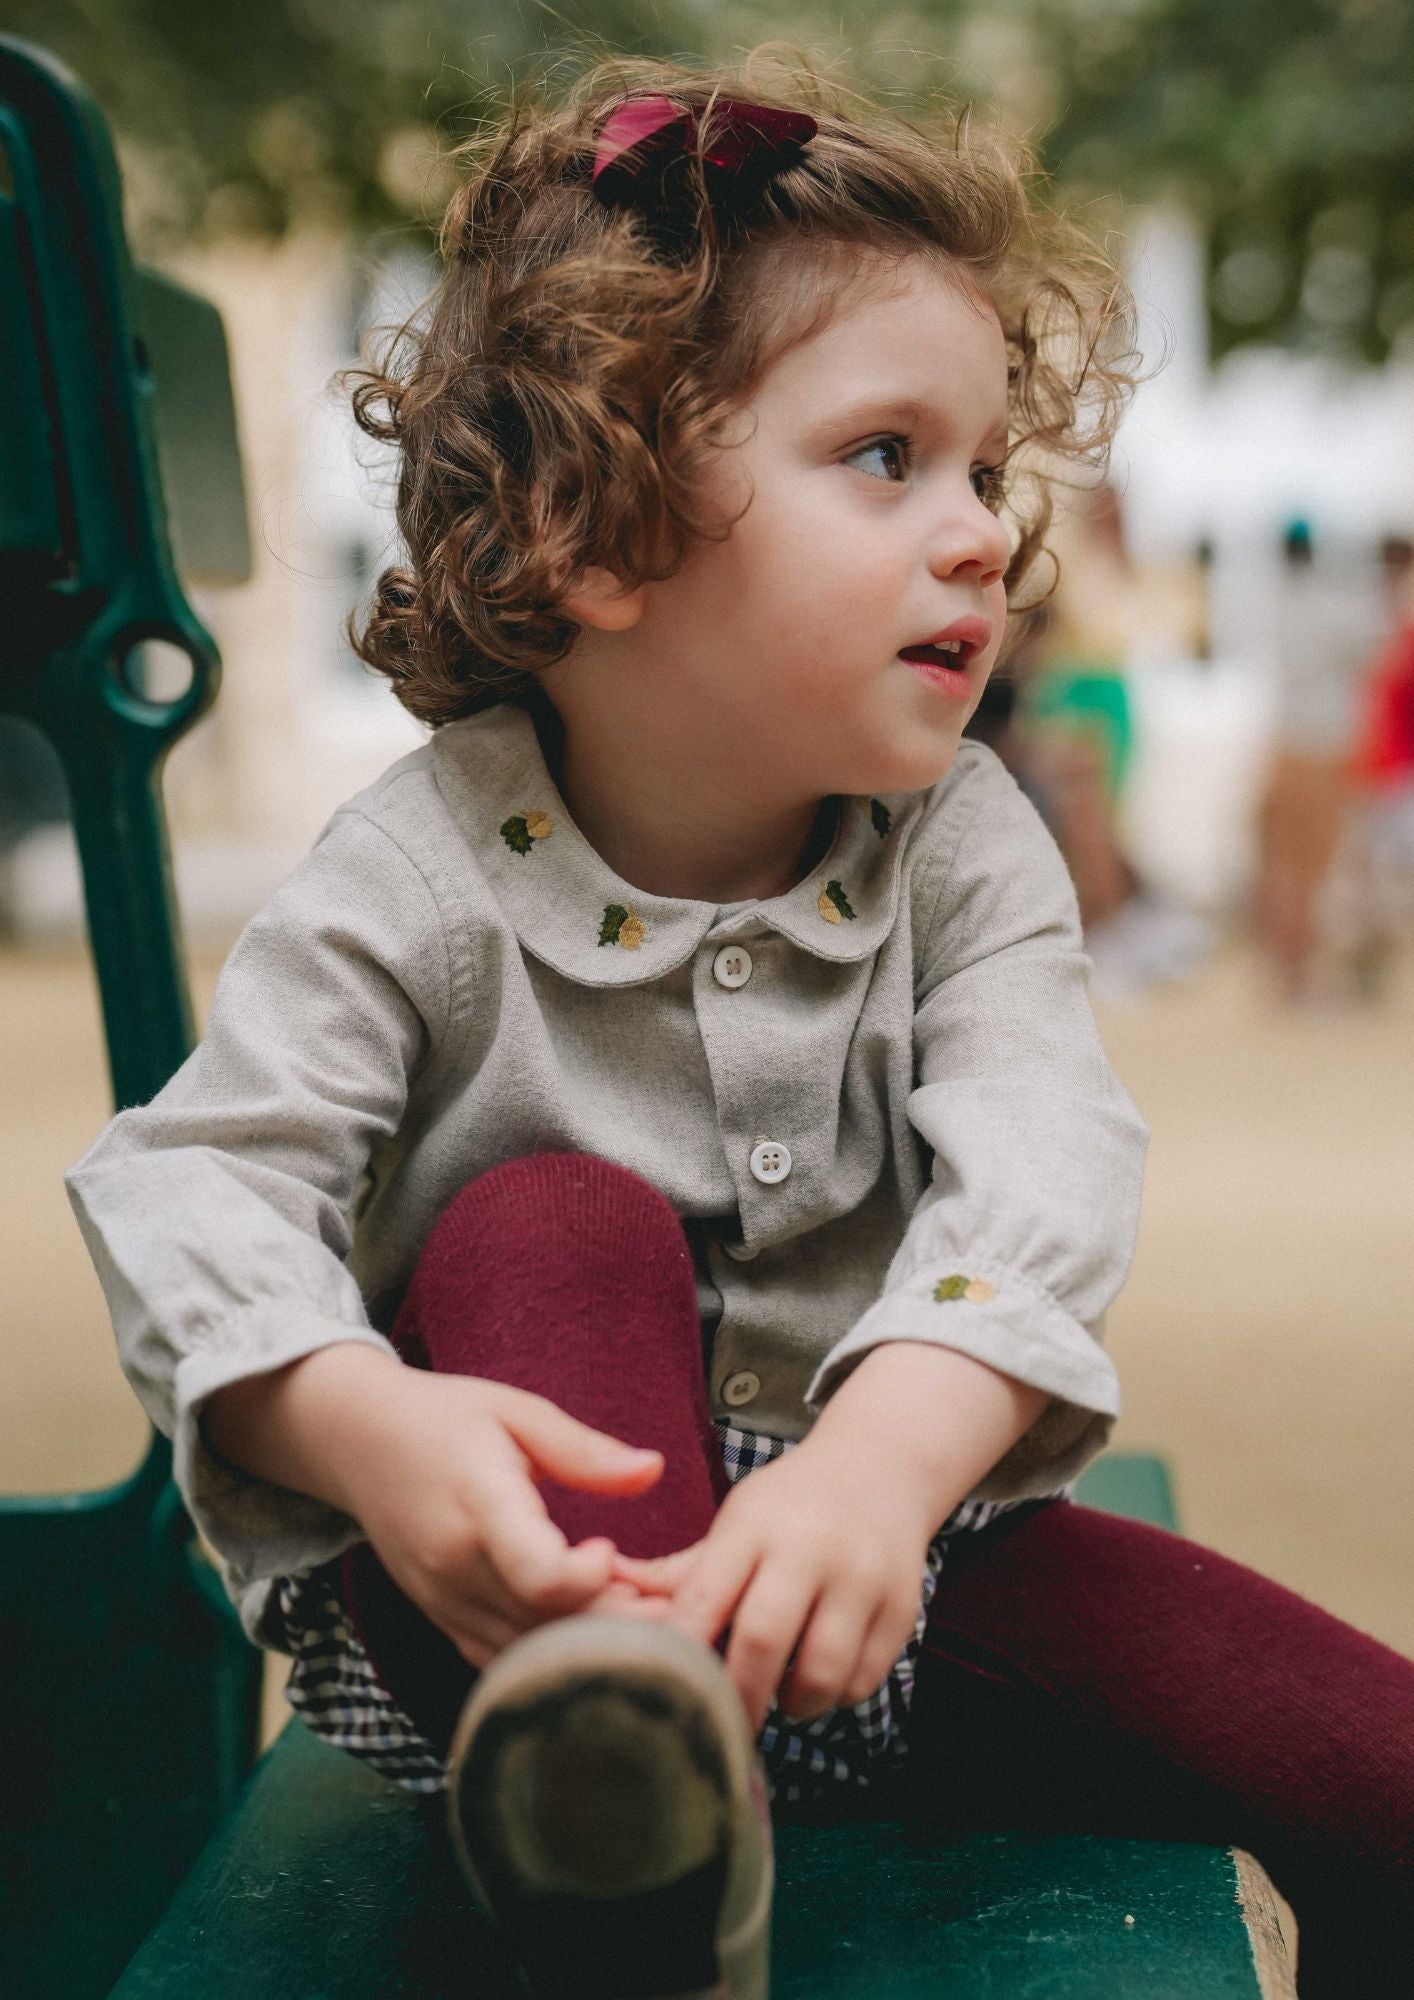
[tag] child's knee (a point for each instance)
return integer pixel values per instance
(580, 1200)
(552, 1237)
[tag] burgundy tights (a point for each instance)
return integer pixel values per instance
(1082, 1674)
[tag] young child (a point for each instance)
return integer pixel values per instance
(681, 1068)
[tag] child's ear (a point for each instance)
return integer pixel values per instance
(597, 598)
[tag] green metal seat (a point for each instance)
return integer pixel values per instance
(127, 1692)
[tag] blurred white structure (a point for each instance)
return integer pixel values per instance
(1230, 454)
(1226, 459)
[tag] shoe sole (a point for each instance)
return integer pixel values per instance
(608, 1806)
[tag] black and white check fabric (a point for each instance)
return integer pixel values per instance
(334, 1688)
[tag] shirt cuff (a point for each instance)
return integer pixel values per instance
(255, 1528)
(998, 1318)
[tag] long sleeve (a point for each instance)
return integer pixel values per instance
(1025, 1232)
(219, 1214)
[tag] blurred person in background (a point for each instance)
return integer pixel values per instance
(1062, 721)
(1327, 621)
(1372, 901)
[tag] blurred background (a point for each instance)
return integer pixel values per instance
(1215, 715)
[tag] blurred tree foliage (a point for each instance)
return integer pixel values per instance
(1285, 126)
(232, 116)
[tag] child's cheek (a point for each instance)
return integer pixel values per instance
(821, 588)
(798, 602)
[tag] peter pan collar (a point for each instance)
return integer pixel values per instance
(571, 910)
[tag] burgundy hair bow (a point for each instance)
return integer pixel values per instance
(646, 143)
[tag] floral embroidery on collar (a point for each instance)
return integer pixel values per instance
(521, 829)
(833, 904)
(880, 818)
(956, 1286)
(622, 927)
(571, 911)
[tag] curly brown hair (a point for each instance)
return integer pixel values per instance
(553, 399)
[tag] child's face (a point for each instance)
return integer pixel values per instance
(863, 452)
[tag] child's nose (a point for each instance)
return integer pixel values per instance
(972, 543)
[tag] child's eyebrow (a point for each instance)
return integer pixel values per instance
(909, 410)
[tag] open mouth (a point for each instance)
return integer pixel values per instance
(951, 653)
(954, 648)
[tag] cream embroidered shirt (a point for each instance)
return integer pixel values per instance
(878, 1102)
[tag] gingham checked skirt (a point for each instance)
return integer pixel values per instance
(334, 1688)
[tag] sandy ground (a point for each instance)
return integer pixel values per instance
(1265, 1339)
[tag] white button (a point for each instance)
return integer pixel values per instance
(743, 1252)
(740, 1388)
(732, 965)
(770, 1161)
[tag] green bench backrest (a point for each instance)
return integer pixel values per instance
(128, 1696)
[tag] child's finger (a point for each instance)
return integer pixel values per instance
(533, 1559)
(659, 1574)
(883, 1643)
(577, 1455)
(480, 1635)
(586, 1570)
(826, 1662)
(767, 1624)
(711, 1585)
(624, 1600)
(616, 1595)
(486, 1590)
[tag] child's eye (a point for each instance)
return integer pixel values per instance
(988, 482)
(896, 449)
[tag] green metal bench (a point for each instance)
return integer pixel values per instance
(332, 1882)
(128, 1696)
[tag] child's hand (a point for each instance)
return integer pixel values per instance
(816, 1549)
(444, 1488)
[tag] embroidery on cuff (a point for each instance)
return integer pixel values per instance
(522, 829)
(956, 1286)
(622, 927)
(833, 904)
